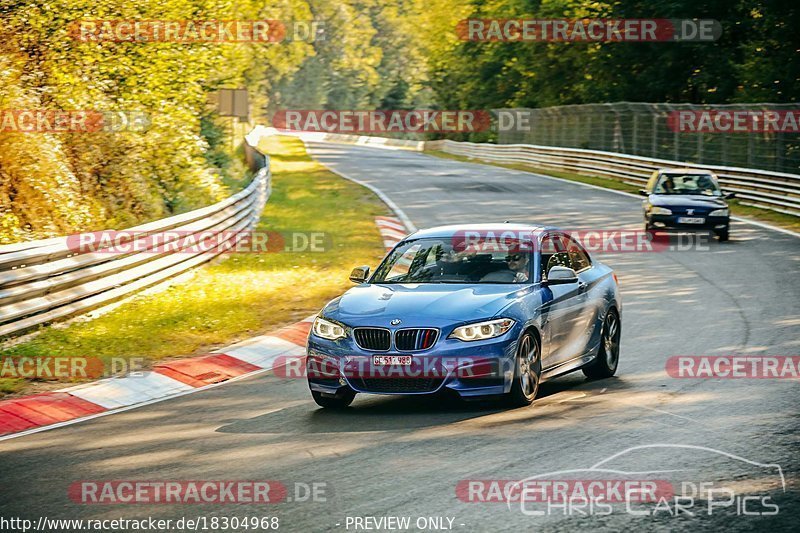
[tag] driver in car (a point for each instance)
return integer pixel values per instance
(668, 185)
(518, 264)
(517, 272)
(447, 260)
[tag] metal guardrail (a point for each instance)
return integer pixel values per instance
(49, 279)
(762, 188)
(645, 129)
(361, 140)
(364, 140)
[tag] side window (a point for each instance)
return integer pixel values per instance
(554, 253)
(578, 257)
(659, 186)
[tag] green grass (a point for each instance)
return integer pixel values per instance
(245, 294)
(775, 218)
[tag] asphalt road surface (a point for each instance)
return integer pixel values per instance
(405, 457)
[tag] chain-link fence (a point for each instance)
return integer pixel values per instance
(649, 130)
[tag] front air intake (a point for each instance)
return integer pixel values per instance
(374, 339)
(409, 340)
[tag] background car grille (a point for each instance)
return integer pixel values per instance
(696, 211)
(415, 339)
(375, 339)
(398, 384)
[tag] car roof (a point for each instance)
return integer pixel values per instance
(497, 228)
(686, 170)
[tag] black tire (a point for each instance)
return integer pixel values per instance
(340, 401)
(607, 360)
(723, 236)
(527, 371)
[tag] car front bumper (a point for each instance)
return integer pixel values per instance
(482, 368)
(714, 223)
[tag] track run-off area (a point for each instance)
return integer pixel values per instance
(410, 457)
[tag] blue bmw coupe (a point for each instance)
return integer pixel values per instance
(479, 310)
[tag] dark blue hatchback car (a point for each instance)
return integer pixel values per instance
(475, 310)
(686, 200)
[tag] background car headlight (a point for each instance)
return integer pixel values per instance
(482, 330)
(719, 213)
(328, 330)
(655, 210)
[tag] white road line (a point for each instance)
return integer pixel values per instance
(393, 206)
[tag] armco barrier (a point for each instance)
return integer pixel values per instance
(44, 280)
(282, 348)
(361, 140)
(772, 190)
(366, 140)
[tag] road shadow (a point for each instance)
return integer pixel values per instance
(372, 413)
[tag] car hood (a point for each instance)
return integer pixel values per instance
(379, 304)
(687, 200)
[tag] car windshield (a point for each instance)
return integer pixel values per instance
(688, 184)
(446, 261)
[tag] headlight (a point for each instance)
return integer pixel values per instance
(328, 330)
(719, 213)
(482, 330)
(655, 210)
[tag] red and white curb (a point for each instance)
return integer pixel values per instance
(392, 231)
(39, 412)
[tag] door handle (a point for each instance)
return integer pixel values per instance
(582, 286)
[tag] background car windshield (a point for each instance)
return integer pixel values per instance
(438, 261)
(687, 184)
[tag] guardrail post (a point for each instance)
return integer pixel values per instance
(654, 148)
(724, 149)
(676, 140)
(700, 148)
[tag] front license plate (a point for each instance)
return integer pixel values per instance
(691, 220)
(391, 360)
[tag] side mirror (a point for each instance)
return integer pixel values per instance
(560, 275)
(643, 192)
(359, 274)
(729, 195)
